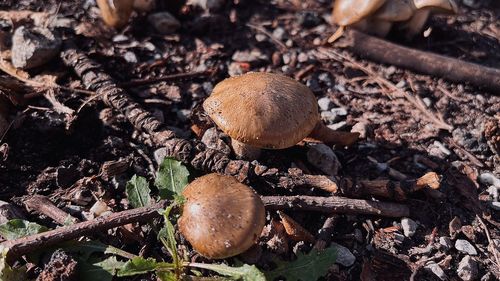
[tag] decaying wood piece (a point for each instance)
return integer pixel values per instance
(42, 205)
(336, 204)
(28, 244)
(455, 70)
(397, 190)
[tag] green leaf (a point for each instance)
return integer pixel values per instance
(8, 273)
(307, 267)
(137, 190)
(245, 272)
(166, 276)
(167, 237)
(18, 228)
(102, 271)
(137, 265)
(111, 265)
(172, 178)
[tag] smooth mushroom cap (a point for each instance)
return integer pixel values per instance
(263, 109)
(115, 13)
(444, 5)
(346, 12)
(221, 217)
(395, 10)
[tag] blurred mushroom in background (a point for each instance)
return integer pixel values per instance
(378, 17)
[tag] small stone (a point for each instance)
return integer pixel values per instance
(279, 33)
(207, 87)
(130, 57)
(495, 206)
(207, 5)
(248, 56)
(401, 84)
(9, 212)
(324, 103)
(120, 38)
(467, 269)
(234, 69)
(409, 227)
(260, 37)
(337, 126)
(340, 111)
(289, 43)
(360, 128)
(322, 157)
(160, 154)
(98, 208)
(437, 270)
(390, 70)
(32, 47)
(445, 242)
(489, 179)
(493, 192)
(465, 246)
(427, 101)
(344, 256)
(164, 22)
(328, 117)
(325, 78)
(211, 138)
(317, 41)
(303, 57)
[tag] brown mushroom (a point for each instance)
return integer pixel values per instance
(424, 9)
(377, 16)
(264, 110)
(355, 13)
(115, 13)
(221, 217)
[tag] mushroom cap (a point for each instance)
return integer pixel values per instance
(395, 10)
(263, 109)
(115, 13)
(221, 217)
(443, 5)
(346, 12)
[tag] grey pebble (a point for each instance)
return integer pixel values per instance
(32, 47)
(467, 269)
(465, 246)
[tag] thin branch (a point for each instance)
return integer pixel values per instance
(336, 204)
(455, 70)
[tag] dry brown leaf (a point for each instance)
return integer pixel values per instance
(294, 230)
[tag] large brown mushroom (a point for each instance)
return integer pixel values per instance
(221, 217)
(272, 111)
(115, 13)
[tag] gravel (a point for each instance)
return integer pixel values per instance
(465, 246)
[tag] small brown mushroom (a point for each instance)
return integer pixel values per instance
(424, 8)
(356, 13)
(115, 13)
(265, 110)
(378, 16)
(221, 217)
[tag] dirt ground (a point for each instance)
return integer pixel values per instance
(50, 152)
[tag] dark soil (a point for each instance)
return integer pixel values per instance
(49, 153)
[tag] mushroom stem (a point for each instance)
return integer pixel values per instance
(245, 151)
(417, 22)
(326, 135)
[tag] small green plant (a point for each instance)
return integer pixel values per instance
(171, 180)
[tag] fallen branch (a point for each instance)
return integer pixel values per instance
(455, 70)
(42, 205)
(29, 244)
(336, 204)
(397, 190)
